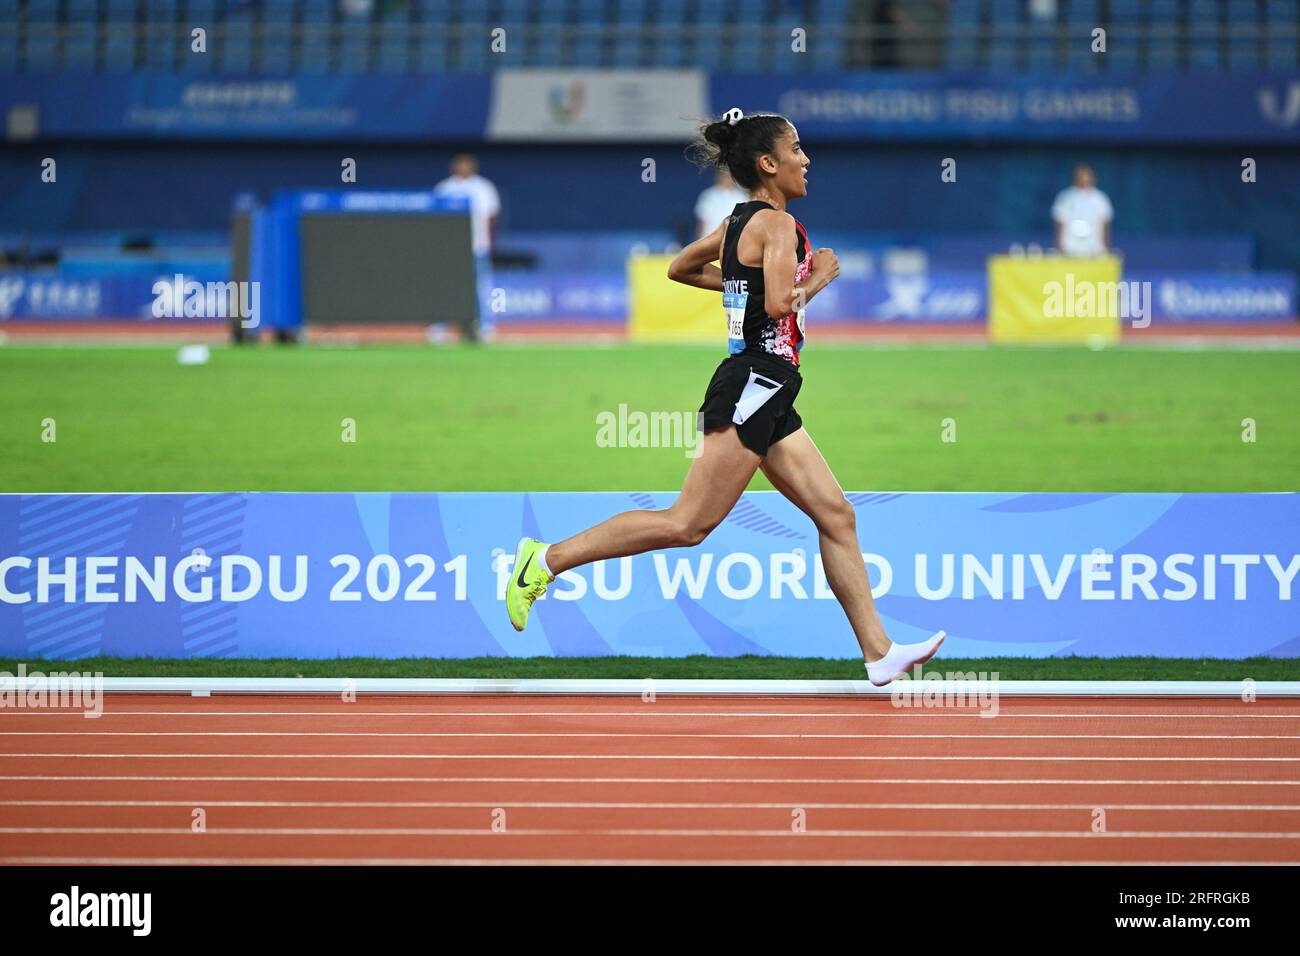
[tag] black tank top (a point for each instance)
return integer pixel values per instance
(749, 327)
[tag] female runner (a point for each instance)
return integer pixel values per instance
(768, 275)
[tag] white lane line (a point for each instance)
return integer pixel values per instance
(910, 757)
(560, 861)
(631, 735)
(599, 805)
(852, 781)
(1085, 834)
(648, 711)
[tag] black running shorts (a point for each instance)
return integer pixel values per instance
(756, 394)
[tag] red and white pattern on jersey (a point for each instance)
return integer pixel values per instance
(784, 337)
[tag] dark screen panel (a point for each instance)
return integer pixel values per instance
(387, 267)
(240, 246)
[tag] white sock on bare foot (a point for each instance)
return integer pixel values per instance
(541, 559)
(901, 658)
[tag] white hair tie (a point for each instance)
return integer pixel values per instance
(733, 116)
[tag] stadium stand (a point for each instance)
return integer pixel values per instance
(397, 36)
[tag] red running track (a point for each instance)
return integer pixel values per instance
(545, 779)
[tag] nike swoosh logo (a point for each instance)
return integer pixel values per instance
(520, 580)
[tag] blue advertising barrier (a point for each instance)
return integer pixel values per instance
(397, 575)
(1257, 108)
(442, 106)
(940, 295)
(84, 294)
(1157, 107)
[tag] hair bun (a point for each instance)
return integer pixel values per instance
(722, 135)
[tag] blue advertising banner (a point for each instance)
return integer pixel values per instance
(443, 106)
(1261, 108)
(1171, 107)
(939, 296)
(397, 575)
(1265, 296)
(601, 296)
(84, 295)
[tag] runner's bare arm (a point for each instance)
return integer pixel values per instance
(694, 264)
(781, 293)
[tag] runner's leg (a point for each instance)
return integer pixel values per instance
(713, 484)
(797, 469)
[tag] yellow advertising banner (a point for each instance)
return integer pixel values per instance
(1056, 299)
(660, 310)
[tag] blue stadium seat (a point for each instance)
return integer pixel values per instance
(473, 40)
(670, 42)
(750, 50)
(554, 11)
(549, 48)
(1243, 25)
(1005, 22)
(1124, 39)
(394, 28)
(1164, 32)
(80, 18)
(1081, 18)
(1127, 11)
(710, 11)
(234, 46)
(1203, 30)
(432, 54)
(354, 46)
(627, 51)
(278, 21)
(588, 47)
(1085, 13)
(522, 36)
(1282, 22)
(515, 12)
(963, 34)
(199, 13)
(42, 35)
(8, 34)
(120, 35)
(831, 51)
(627, 45)
(161, 34)
(710, 33)
(315, 20)
(433, 43)
(1042, 41)
(743, 42)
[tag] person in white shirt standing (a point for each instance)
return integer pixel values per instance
(1083, 215)
(717, 203)
(484, 208)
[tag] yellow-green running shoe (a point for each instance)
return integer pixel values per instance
(528, 582)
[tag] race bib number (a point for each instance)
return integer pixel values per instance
(733, 303)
